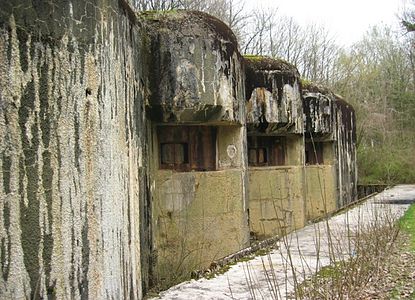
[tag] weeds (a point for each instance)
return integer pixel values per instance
(349, 253)
(407, 224)
(213, 272)
(350, 273)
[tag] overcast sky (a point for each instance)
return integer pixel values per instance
(347, 20)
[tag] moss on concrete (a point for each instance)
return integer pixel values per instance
(258, 62)
(197, 79)
(312, 87)
(177, 21)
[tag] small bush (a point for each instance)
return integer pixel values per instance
(385, 165)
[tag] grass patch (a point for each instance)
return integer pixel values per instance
(330, 271)
(407, 224)
(223, 269)
(220, 271)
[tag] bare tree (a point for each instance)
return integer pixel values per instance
(260, 29)
(229, 11)
(156, 4)
(319, 54)
(311, 49)
(407, 16)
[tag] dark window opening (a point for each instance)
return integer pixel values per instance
(186, 148)
(314, 153)
(266, 151)
(174, 153)
(257, 156)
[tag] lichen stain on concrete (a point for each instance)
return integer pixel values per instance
(194, 74)
(319, 110)
(330, 117)
(274, 99)
(178, 193)
(65, 228)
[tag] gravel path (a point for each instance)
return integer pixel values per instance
(305, 251)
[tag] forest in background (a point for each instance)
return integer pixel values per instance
(376, 75)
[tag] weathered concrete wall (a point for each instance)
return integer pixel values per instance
(276, 194)
(320, 191)
(274, 108)
(319, 110)
(231, 147)
(295, 150)
(330, 118)
(346, 152)
(276, 200)
(198, 217)
(196, 78)
(71, 148)
(196, 74)
(274, 103)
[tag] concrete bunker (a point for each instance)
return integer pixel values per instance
(140, 164)
(275, 146)
(329, 134)
(197, 168)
